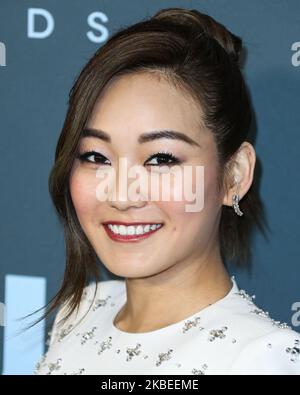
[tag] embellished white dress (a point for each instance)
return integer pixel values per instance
(229, 337)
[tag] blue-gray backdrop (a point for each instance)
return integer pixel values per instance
(43, 45)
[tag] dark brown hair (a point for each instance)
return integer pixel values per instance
(200, 56)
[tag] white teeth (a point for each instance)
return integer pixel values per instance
(139, 230)
(147, 228)
(130, 230)
(133, 230)
(122, 230)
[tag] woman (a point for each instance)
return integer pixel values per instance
(166, 94)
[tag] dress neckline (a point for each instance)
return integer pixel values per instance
(170, 327)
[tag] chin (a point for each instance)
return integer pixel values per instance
(130, 270)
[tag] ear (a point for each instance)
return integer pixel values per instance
(241, 173)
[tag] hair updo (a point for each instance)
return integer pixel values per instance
(201, 56)
(199, 23)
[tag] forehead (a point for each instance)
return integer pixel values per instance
(145, 101)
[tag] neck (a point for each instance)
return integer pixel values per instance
(173, 295)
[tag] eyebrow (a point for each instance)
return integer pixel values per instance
(144, 137)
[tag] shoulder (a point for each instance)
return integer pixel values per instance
(95, 294)
(274, 353)
(267, 346)
(102, 289)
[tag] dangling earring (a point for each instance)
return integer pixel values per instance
(235, 203)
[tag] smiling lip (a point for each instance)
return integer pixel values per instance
(129, 238)
(129, 223)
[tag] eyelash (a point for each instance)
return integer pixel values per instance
(162, 154)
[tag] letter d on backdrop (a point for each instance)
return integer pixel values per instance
(31, 15)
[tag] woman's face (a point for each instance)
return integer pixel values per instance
(132, 105)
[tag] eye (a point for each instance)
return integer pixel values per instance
(92, 157)
(164, 158)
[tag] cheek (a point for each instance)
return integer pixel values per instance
(207, 190)
(212, 199)
(83, 193)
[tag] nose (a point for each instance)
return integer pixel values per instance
(123, 202)
(125, 194)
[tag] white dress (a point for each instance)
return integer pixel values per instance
(229, 337)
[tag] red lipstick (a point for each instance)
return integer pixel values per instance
(129, 238)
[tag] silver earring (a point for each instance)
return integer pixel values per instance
(235, 204)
